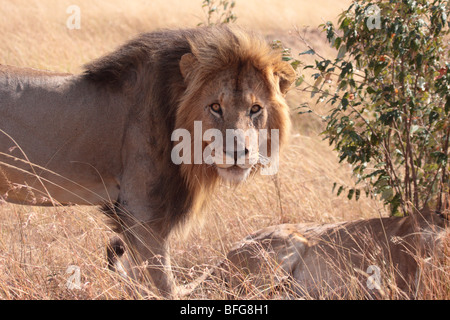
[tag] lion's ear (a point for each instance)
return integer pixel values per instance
(286, 75)
(187, 63)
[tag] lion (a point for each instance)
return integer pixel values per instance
(105, 137)
(365, 258)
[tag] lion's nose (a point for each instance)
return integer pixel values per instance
(239, 154)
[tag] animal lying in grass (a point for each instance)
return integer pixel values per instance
(105, 137)
(372, 258)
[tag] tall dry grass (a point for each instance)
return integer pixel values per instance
(37, 245)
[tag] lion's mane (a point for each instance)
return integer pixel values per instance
(147, 71)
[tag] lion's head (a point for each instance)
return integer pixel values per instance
(233, 103)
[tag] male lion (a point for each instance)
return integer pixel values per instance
(104, 137)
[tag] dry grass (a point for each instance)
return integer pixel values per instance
(37, 245)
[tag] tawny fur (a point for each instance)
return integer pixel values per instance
(104, 137)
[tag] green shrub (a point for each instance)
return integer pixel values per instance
(390, 105)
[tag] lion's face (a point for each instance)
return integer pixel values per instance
(237, 104)
(235, 112)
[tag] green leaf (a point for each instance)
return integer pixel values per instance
(350, 194)
(342, 51)
(318, 81)
(299, 81)
(345, 23)
(295, 64)
(433, 116)
(310, 51)
(344, 103)
(440, 157)
(387, 193)
(375, 173)
(341, 188)
(337, 42)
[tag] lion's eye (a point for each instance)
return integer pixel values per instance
(215, 107)
(255, 109)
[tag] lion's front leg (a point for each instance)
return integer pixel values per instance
(146, 260)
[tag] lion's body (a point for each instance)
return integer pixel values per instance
(104, 137)
(54, 120)
(336, 261)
